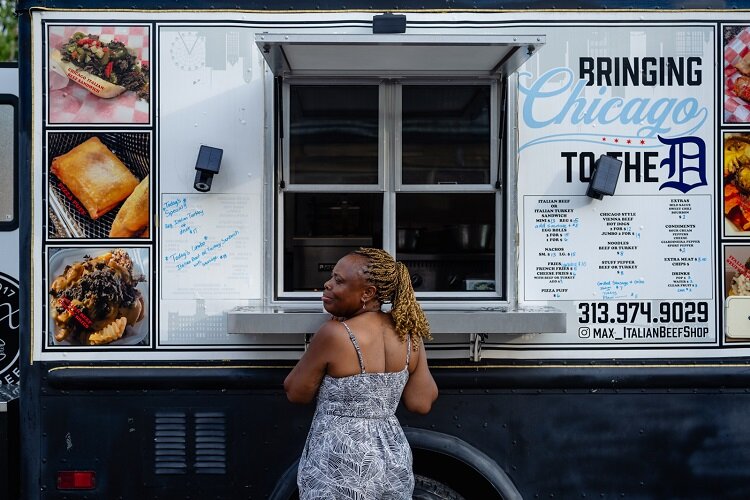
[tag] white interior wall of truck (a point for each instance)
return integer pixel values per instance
(637, 273)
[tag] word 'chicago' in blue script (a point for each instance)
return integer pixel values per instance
(653, 115)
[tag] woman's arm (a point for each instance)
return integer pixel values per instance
(301, 385)
(421, 390)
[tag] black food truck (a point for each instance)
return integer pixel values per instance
(568, 183)
(9, 294)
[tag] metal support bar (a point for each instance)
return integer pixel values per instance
(475, 345)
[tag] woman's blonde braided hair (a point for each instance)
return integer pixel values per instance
(393, 284)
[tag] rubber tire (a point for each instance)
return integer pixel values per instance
(426, 488)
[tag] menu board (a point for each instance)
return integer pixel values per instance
(636, 265)
(593, 250)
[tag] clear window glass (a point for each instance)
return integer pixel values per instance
(447, 248)
(8, 167)
(445, 134)
(333, 134)
(323, 227)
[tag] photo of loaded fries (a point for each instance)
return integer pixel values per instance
(98, 296)
(99, 74)
(736, 170)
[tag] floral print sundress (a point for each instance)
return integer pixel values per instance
(356, 448)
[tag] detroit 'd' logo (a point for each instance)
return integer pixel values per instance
(9, 341)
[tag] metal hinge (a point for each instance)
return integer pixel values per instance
(475, 345)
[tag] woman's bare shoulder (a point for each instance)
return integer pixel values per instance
(331, 334)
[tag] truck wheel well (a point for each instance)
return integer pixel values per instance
(453, 473)
(455, 462)
(459, 465)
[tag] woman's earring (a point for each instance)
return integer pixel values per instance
(364, 303)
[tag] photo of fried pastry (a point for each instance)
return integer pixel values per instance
(98, 296)
(132, 219)
(99, 185)
(99, 74)
(736, 160)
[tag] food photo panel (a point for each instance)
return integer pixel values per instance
(98, 74)
(736, 184)
(736, 73)
(99, 185)
(737, 292)
(98, 296)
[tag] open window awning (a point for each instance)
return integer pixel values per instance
(391, 55)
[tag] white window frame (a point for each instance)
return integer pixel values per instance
(389, 179)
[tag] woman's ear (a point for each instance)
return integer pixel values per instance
(369, 293)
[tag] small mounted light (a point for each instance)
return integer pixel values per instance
(389, 23)
(206, 166)
(604, 177)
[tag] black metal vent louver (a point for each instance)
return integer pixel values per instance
(210, 443)
(170, 443)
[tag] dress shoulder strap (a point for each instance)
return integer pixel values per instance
(356, 347)
(408, 350)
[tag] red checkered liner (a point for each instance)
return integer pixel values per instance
(71, 103)
(735, 109)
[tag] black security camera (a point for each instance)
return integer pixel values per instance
(206, 166)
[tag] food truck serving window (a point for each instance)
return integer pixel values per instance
(384, 144)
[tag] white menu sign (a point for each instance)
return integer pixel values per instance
(585, 249)
(206, 250)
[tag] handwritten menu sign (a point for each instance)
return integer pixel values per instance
(588, 250)
(206, 251)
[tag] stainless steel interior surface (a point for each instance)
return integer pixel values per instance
(318, 256)
(426, 275)
(473, 236)
(407, 239)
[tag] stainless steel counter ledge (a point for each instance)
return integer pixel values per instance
(497, 320)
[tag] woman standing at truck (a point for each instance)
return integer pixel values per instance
(360, 364)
